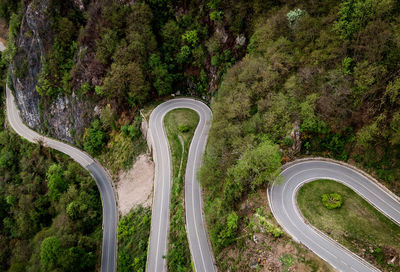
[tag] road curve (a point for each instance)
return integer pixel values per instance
(283, 201)
(110, 214)
(198, 241)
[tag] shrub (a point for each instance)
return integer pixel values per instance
(183, 55)
(133, 130)
(229, 232)
(107, 46)
(332, 201)
(50, 252)
(56, 182)
(96, 139)
(133, 233)
(355, 14)
(216, 15)
(183, 128)
(191, 37)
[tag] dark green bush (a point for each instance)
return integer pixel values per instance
(183, 128)
(96, 139)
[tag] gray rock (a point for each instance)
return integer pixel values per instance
(67, 113)
(240, 40)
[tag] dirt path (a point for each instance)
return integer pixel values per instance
(136, 185)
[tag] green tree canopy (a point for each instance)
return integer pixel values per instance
(255, 168)
(55, 181)
(50, 252)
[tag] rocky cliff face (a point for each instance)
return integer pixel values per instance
(66, 116)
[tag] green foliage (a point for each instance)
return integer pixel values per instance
(126, 83)
(259, 223)
(183, 128)
(364, 225)
(55, 76)
(8, 7)
(228, 234)
(216, 15)
(96, 139)
(170, 44)
(355, 14)
(133, 130)
(13, 28)
(255, 168)
(162, 79)
(85, 89)
(107, 46)
(56, 182)
(183, 55)
(50, 252)
(133, 236)
(178, 258)
(395, 129)
(332, 201)
(191, 37)
(393, 91)
(310, 122)
(37, 220)
(365, 76)
(347, 65)
(368, 134)
(287, 260)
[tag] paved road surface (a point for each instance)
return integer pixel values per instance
(110, 214)
(282, 198)
(198, 241)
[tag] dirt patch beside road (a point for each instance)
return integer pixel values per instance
(135, 186)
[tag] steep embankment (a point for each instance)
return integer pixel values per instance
(104, 184)
(64, 114)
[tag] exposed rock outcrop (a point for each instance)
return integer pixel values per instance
(67, 115)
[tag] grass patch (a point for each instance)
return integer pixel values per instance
(356, 224)
(178, 258)
(133, 237)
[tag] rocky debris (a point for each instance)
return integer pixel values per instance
(66, 116)
(79, 4)
(240, 40)
(296, 137)
(253, 265)
(222, 34)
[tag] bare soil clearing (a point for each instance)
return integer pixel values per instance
(135, 187)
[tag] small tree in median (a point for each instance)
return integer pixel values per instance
(332, 201)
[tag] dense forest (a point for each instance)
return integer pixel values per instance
(285, 79)
(50, 209)
(328, 71)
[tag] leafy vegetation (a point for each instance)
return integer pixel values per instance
(324, 72)
(133, 236)
(332, 200)
(179, 258)
(259, 223)
(96, 138)
(50, 210)
(357, 225)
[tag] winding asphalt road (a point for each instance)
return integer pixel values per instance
(283, 202)
(198, 241)
(110, 214)
(282, 197)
